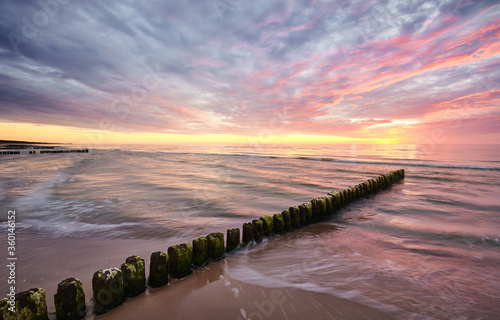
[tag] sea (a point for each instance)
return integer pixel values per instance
(426, 248)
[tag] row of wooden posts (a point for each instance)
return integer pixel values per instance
(111, 286)
(33, 151)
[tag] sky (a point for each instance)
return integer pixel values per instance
(393, 71)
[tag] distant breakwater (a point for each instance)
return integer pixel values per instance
(111, 286)
(41, 151)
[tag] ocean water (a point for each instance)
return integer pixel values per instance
(427, 248)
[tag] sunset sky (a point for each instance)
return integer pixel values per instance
(233, 71)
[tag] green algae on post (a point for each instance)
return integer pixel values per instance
(233, 239)
(279, 223)
(340, 197)
(315, 213)
(287, 219)
(30, 304)
(267, 225)
(134, 276)
(329, 204)
(258, 230)
(180, 259)
(247, 233)
(321, 208)
(334, 200)
(200, 252)
(306, 214)
(294, 217)
(215, 246)
(107, 289)
(158, 269)
(70, 300)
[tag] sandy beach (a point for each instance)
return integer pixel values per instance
(209, 293)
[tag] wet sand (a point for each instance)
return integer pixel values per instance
(208, 293)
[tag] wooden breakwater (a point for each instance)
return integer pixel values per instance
(42, 151)
(111, 286)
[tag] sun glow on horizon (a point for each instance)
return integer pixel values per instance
(94, 138)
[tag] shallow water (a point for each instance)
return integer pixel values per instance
(428, 248)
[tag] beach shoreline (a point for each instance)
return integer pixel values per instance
(211, 293)
(208, 293)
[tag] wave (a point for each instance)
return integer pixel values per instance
(388, 161)
(400, 163)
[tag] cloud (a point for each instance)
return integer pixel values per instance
(351, 68)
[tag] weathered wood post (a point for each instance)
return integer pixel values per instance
(107, 287)
(200, 252)
(232, 239)
(180, 259)
(134, 276)
(215, 246)
(70, 300)
(158, 269)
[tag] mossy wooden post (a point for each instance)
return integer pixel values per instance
(340, 200)
(377, 183)
(350, 193)
(306, 212)
(134, 276)
(322, 208)
(329, 204)
(200, 252)
(215, 246)
(394, 175)
(361, 191)
(267, 225)
(399, 174)
(180, 259)
(366, 188)
(302, 214)
(30, 304)
(232, 239)
(345, 200)
(279, 223)
(258, 230)
(389, 178)
(354, 195)
(371, 183)
(295, 217)
(357, 193)
(315, 207)
(247, 233)
(107, 289)
(158, 269)
(332, 201)
(287, 219)
(383, 181)
(70, 300)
